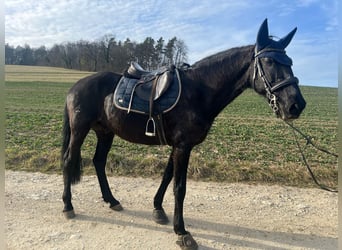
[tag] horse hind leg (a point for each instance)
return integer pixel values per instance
(75, 129)
(71, 163)
(104, 143)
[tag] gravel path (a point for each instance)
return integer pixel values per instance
(219, 216)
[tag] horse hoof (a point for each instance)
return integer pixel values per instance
(117, 207)
(160, 217)
(69, 214)
(186, 242)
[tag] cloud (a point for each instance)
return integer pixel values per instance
(206, 27)
(315, 61)
(123, 18)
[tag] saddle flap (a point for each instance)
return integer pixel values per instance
(144, 89)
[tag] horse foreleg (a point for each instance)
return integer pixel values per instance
(104, 143)
(159, 215)
(181, 157)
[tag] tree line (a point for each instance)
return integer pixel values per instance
(105, 54)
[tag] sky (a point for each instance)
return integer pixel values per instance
(206, 26)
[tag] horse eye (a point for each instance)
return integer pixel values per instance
(269, 61)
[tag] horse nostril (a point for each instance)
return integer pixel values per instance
(295, 109)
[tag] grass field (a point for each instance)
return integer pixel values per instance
(246, 143)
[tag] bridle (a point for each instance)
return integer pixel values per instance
(269, 86)
(280, 56)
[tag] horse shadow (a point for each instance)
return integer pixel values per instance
(234, 235)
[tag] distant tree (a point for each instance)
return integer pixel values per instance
(69, 55)
(106, 43)
(24, 55)
(147, 54)
(55, 56)
(169, 51)
(119, 56)
(82, 56)
(90, 53)
(180, 52)
(40, 56)
(10, 57)
(130, 48)
(101, 55)
(160, 51)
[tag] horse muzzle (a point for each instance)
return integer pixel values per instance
(293, 110)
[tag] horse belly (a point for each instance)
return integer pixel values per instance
(131, 127)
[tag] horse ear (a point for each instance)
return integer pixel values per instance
(287, 39)
(263, 36)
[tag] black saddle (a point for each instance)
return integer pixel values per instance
(148, 92)
(150, 82)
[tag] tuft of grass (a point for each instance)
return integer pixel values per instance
(245, 144)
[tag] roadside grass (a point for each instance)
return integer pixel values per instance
(246, 143)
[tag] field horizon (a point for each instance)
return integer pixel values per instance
(246, 142)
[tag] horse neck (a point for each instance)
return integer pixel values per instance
(226, 75)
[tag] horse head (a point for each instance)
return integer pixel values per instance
(273, 76)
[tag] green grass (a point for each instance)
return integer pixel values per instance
(246, 143)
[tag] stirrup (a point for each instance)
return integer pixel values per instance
(153, 124)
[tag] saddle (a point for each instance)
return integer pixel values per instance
(148, 92)
(151, 84)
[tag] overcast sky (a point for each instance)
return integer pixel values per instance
(206, 26)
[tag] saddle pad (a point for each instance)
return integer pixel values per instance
(123, 95)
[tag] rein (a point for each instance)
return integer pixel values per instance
(309, 141)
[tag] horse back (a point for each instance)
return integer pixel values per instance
(100, 84)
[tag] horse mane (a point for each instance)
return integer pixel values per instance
(221, 63)
(223, 56)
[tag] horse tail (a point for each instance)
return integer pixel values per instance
(66, 133)
(71, 164)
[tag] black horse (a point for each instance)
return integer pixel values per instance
(207, 87)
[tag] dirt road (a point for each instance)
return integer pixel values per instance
(219, 216)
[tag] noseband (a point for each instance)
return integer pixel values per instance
(279, 56)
